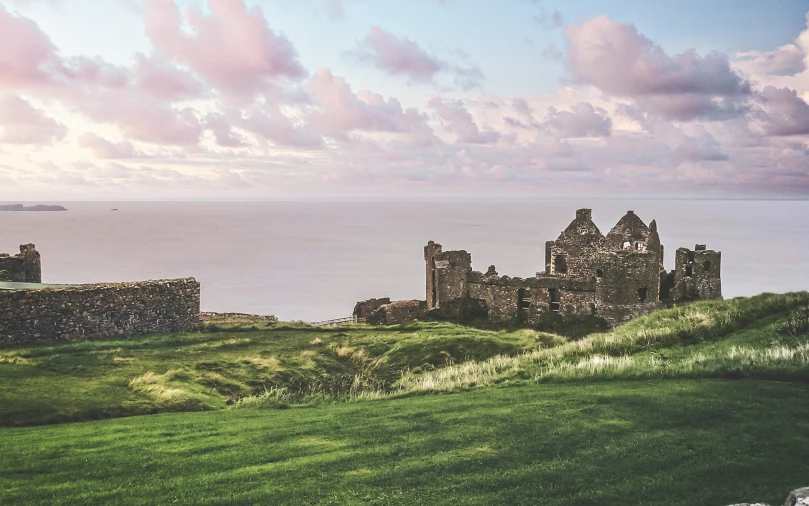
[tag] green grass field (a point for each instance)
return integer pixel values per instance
(706, 403)
(672, 442)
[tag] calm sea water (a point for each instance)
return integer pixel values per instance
(314, 260)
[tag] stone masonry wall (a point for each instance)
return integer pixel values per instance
(365, 307)
(400, 311)
(25, 267)
(697, 274)
(98, 311)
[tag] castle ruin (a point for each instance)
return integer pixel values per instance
(24, 267)
(616, 277)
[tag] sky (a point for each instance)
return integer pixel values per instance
(384, 99)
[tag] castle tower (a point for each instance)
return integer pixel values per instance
(574, 252)
(447, 274)
(697, 274)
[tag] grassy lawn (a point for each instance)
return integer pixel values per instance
(667, 442)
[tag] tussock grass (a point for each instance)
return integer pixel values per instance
(610, 355)
(738, 338)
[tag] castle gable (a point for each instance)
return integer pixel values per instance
(628, 232)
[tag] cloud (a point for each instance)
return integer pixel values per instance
(583, 120)
(460, 122)
(784, 112)
(400, 56)
(102, 148)
(163, 80)
(23, 124)
(233, 48)
(618, 60)
(786, 60)
(340, 110)
(27, 55)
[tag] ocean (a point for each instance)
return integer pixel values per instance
(313, 260)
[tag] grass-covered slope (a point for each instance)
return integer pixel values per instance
(279, 364)
(661, 442)
(209, 370)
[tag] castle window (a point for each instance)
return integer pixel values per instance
(523, 299)
(553, 296)
(706, 265)
(689, 270)
(626, 245)
(640, 246)
(642, 294)
(599, 273)
(560, 264)
(433, 288)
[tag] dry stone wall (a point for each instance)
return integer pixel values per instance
(98, 311)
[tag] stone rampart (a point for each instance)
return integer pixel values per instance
(98, 311)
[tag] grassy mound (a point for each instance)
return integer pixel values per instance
(671, 443)
(278, 364)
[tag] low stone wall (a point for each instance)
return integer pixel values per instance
(365, 307)
(400, 311)
(98, 311)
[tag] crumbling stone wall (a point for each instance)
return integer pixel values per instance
(365, 307)
(697, 274)
(400, 311)
(25, 267)
(98, 311)
(447, 274)
(628, 285)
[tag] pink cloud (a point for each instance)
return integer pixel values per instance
(460, 122)
(341, 110)
(102, 148)
(400, 56)
(232, 48)
(163, 80)
(583, 120)
(616, 58)
(27, 55)
(271, 124)
(785, 113)
(23, 124)
(619, 60)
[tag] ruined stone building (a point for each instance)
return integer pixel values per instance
(24, 267)
(617, 276)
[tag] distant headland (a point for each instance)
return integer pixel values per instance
(20, 207)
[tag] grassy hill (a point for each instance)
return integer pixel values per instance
(280, 364)
(706, 403)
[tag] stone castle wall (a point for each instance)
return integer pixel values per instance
(24, 267)
(98, 311)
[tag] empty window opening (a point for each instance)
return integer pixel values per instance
(640, 246)
(523, 299)
(599, 273)
(642, 294)
(706, 265)
(432, 285)
(553, 296)
(626, 245)
(689, 270)
(560, 264)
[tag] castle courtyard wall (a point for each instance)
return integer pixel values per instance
(98, 311)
